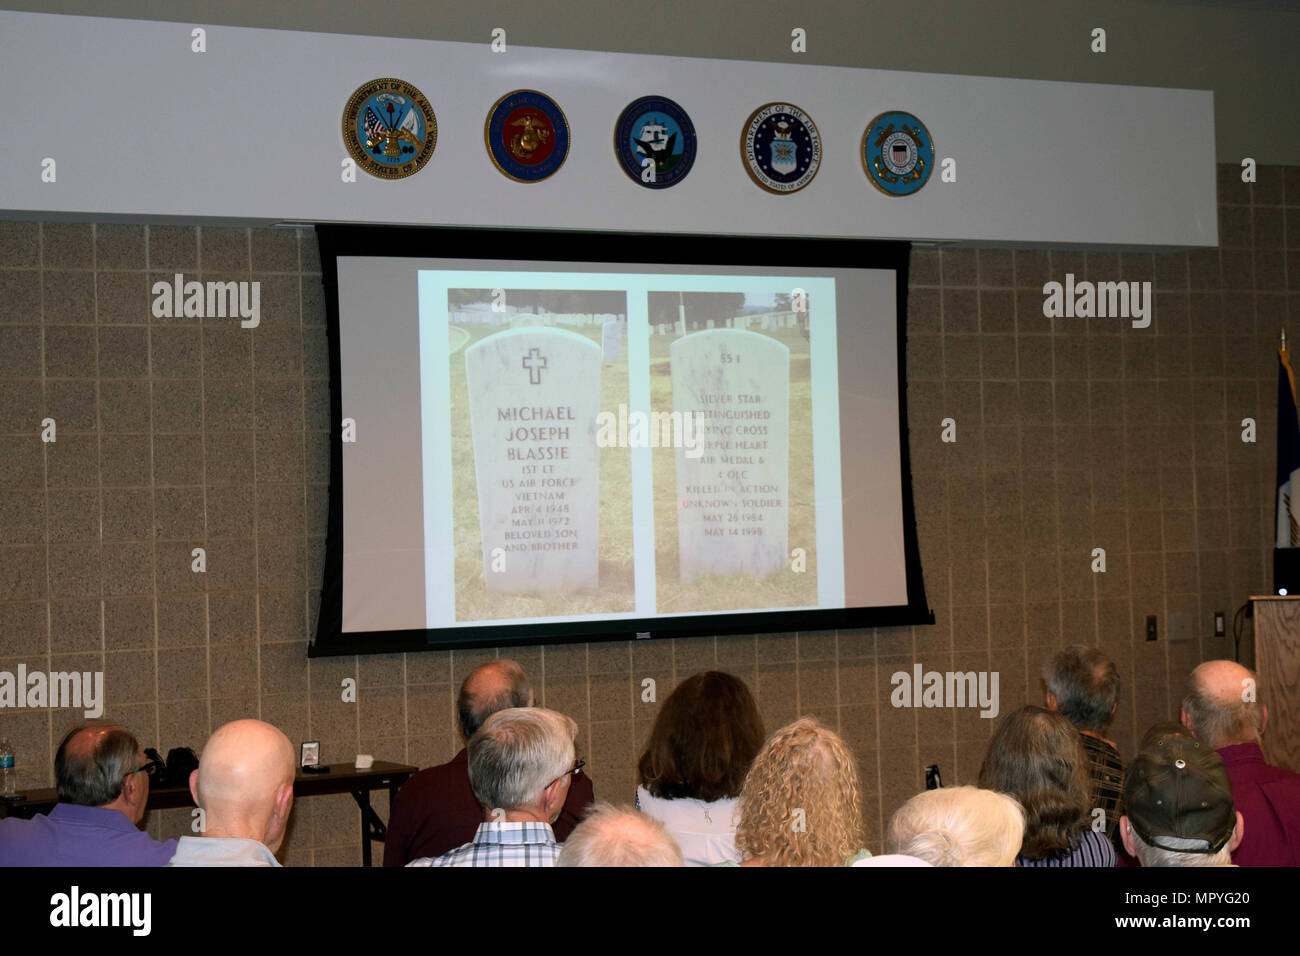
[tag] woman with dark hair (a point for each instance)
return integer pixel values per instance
(704, 739)
(1036, 757)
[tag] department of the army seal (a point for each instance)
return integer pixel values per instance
(897, 153)
(389, 128)
(780, 147)
(527, 136)
(654, 142)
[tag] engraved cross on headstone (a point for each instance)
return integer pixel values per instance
(534, 362)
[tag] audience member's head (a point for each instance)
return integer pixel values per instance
(1178, 807)
(521, 763)
(706, 735)
(958, 826)
(1037, 757)
(1083, 685)
(244, 783)
(103, 766)
(619, 836)
(800, 805)
(1221, 707)
(498, 685)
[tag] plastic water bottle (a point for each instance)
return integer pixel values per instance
(8, 775)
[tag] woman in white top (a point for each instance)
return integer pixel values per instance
(704, 739)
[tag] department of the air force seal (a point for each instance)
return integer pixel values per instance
(527, 136)
(897, 153)
(780, 147)
(654, 141)
(389, 128)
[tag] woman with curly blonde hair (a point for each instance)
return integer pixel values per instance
(800, 805)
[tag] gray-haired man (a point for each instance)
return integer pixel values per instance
(521, 763)
(103, 782)
(436, 811)
(619, 836)
(1083, 686)
(1178, 808)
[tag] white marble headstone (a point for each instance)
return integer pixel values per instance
(733, 500)
(534, 394)
(611, 340)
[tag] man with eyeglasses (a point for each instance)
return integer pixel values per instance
(521, 765)
(436, 811)
(103, 782)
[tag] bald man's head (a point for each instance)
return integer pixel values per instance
(244, 783)
(498, 685)
(1222, 706)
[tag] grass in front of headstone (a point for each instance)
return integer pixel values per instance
(474, 602)
(724, 592)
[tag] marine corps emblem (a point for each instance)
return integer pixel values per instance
(389, 128)
(780, 147)
(897, 153)
(654, 142)
(527, 136)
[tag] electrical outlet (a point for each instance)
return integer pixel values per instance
(1151, 627)
(1219, 630)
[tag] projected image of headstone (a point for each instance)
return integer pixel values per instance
(534, 395)
(541, 514)
(733, 500)
(736, 501)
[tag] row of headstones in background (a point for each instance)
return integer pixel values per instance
(769, 322)
(514, 317)
(534, 398)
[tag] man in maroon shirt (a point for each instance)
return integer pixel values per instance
(1222, 710)
(435, 811)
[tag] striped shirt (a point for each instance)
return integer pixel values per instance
(521, 843)
(1106, 776)
(1093, 849)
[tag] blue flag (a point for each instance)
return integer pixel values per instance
(1288, 455)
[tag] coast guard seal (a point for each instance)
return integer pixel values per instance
(897, 153)
(780, 147)
(654, 142)
(389, 128)
(526, 135)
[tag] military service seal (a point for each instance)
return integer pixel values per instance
(780, 147)
(654, 142)
(897, 153)
(389, 128)
(526, 135)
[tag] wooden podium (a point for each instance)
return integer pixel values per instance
(1277, 665)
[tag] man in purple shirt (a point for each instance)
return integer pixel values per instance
(1222, 709)
(103, 792)
(436, 811)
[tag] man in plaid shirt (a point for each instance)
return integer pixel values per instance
(1083, 684)
(521, 762)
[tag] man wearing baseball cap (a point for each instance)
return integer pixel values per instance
(1178, 808)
